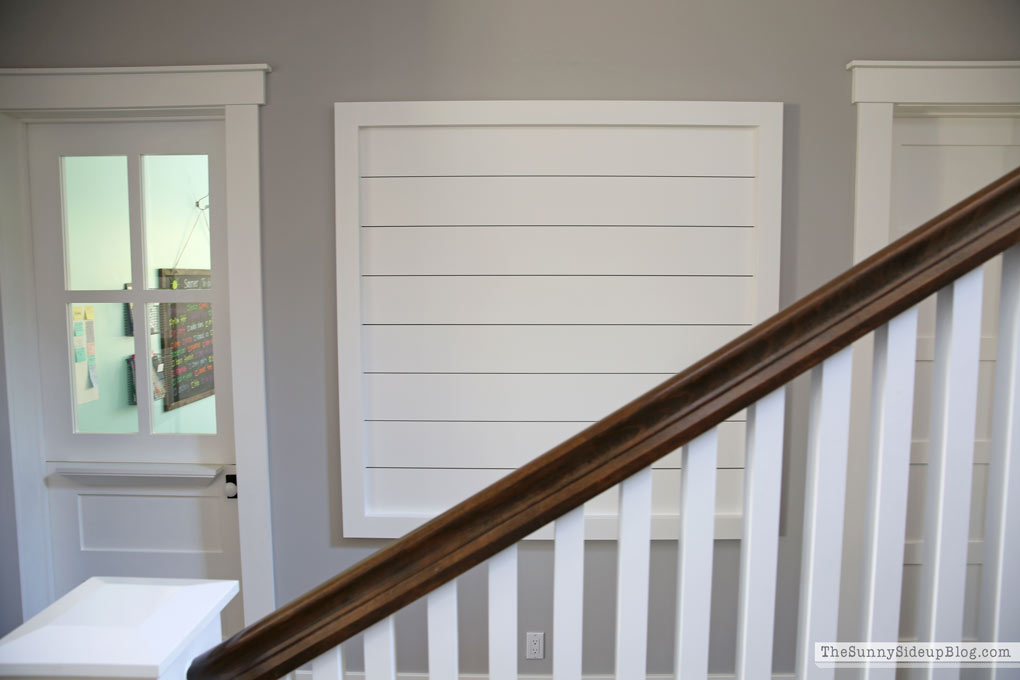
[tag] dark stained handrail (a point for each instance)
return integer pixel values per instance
(628, 440)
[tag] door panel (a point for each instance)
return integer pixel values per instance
(172, 527)
(130, 262)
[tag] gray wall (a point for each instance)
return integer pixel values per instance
(324, 51)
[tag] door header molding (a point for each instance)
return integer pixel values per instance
(132, 87)
(935, 82)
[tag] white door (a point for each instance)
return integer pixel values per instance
(936, 162)
(129, 264)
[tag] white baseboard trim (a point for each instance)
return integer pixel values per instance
(360, 675)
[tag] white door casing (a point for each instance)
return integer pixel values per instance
(232, 93)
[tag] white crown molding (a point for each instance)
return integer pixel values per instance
(41, 89)
(935, 82)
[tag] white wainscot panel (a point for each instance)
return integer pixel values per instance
(502, 397)
(674, 201)
(540, 349)
(558, 300)
(149, 523)
(677, 251)
(427, 492)
(557, 150)
(498, 445)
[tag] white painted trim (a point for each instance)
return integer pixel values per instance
(936, 82)
(236, 90)
(136, 69)
(24, 390)
(768, 203)
(350, 117)
(106, 474)
(128, 88)
(251, 434)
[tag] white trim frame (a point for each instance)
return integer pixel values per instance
(231, 92)
(880, 90)
(350, 117)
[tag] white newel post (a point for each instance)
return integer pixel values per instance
(125, 628)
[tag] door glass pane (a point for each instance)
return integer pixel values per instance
(102, 378)
(97, 238)
(183, 343)
(175, 213)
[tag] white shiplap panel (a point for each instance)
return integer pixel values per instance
(632, 574)
(568, 594)
(950, 464)
(486, 396)
(429, 491)
(763, 476)
(670, 183)
(504, 445)
(675, 201)
(557, 150)
(500, 397)
(627, 251)
(557, 300)
(503, 615)
(540, 349)
(694, 562)
(441, 605)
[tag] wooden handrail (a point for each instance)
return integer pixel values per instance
(628, 440)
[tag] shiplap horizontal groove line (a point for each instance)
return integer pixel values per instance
(557, 175)
(576, 276)
(731, 325)
(428, 420)
(630, 439)
(662, 373)
(557, 226)
(992, 146)
(508, 469)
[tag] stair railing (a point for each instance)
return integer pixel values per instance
(945, 256)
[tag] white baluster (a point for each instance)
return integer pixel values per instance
(442, 632)
(828, 432)
(1000, 589)
(950, 462)
(763, 474)
(892, 401)
(568, 594)
(380, 651)
(632, 575)
(503, 615)
(329, 666)
(694, 561)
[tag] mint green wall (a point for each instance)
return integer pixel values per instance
(98, 256)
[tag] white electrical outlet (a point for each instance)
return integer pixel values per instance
(534, 647)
